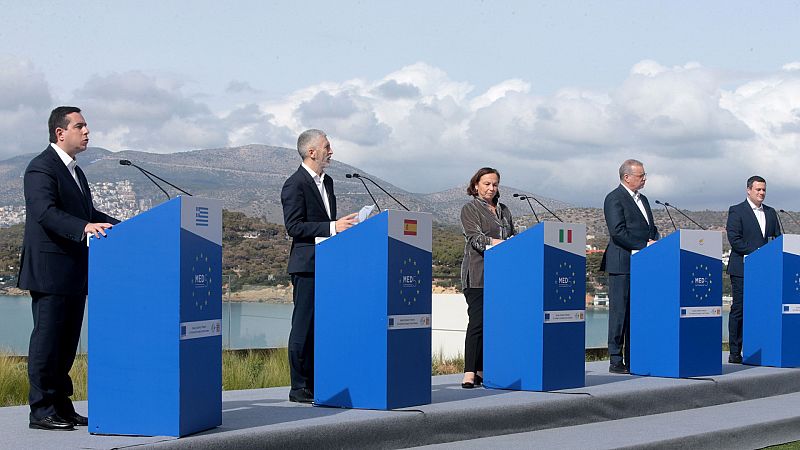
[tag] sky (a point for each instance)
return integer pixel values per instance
(554, 94)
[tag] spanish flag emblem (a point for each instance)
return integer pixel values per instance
(410, 227)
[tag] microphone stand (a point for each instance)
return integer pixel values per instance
(349, 175)
(674, 228)
(355, 175)
(165, 181)
(684, 215)
(523, 197)
(545, 207)
(790, 216)
(125, 162)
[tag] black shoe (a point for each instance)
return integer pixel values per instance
(75, 419)
(618, 368)
(735, 358)
(478, 380)
(301, 396)
(54, 422)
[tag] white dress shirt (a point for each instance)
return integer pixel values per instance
(638, 200)
(68, 161)
(761, 217)
(319, 180)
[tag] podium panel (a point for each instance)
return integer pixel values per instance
(771, 325)
(676, 306)
(372, 325)
(155, 313)
(534, 306)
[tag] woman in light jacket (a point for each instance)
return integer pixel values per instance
(485, 221)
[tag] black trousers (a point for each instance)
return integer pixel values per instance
(619, 318)
(473, 343)
(54, 341)
(301, 337)
(736, 316)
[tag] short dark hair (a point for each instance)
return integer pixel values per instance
(753, 179)
(475, 178)
(58, 119)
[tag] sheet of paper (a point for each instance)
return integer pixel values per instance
(364, 213)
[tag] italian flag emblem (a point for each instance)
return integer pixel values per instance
(565, 236)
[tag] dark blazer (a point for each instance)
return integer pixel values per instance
(305, 217)
(54, 257)
(744, 234)
(627, 229)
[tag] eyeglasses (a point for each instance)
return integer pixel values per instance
(640, 175)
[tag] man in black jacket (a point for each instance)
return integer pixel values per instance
(630, 227)
(54, 266)
(309, 211)
(750, 225)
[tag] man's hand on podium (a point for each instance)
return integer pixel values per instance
(346, 222)
(96, 229)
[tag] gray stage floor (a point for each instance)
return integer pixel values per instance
(608, 405)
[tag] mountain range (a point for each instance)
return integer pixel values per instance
(248, 179)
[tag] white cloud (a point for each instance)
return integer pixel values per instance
(25, 104)
(699, 134)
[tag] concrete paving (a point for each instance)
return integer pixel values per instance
(606, 406)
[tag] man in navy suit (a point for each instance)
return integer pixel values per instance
(54, 264)
(309, 211)
(750, 225)
(630, 227)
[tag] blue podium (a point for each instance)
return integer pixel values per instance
(372, 325)
(155, 312)
(771, 326)
(534, 309)
(676, 306)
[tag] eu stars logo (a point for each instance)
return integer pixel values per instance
(201, 281)
(565, 282)
(701, 282)
(797, 282)
(410, 281)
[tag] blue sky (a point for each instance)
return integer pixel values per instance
(554, 94)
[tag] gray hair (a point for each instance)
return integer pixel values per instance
(627, 167)
(306, 139)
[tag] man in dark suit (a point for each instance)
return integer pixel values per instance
(54, 265)
(630, 227)
(750, 225)
(309, 211)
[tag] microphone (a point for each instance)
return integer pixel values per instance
(674, 228)
(684, 215)
(790, 216)
(522, 197)
(355, 175)
(149, 175)
(125, 162)
(526, 197)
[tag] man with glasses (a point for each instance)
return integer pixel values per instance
(630, 227)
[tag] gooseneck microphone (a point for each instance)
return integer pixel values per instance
(684, 215)
(674, 228)
(523, 197)
(125, 162)
(355, 175)
(526, 197)
(151, 175)
(352, 175)
(790, 216)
